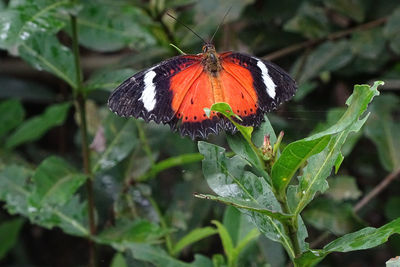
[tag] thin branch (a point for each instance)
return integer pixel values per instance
(331, 37)
(164, 226)
(377, 189)
(81, 101)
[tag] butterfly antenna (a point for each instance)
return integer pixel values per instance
(222, 21)
(187, 27)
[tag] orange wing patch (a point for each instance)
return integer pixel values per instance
(194, 89)
(238, 87)
(192, 92)
(198, 96)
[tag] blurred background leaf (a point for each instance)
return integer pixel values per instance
(107, 26)
(384, 131)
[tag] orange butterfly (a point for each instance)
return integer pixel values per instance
(177, 90)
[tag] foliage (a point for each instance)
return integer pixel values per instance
(70, 166)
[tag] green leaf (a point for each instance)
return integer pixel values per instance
(125, 233)
(224, 109)
(252, 235)
(392, 30)
(44, 52)
(192, 237)
(227, 178)
(231, 252)
(354, 9)
(320, 165)
(310, 20)
(154, 255)
(25, 18)
(207, 15)
(247, 205)
(105, 26)
(292, 158)
(237, 224)
(34, 128)
(121, 138)
(71, 217)
(118, 261)
(227, 111)
(26, 90)
(329, 56)
(343, 188)
(368, 44)
(327, 215)
(107, 79)
(9, 231)
(339, 162)
(363, 239)
(384, 131)
(244, 150)
(227, 243)
(16, 192)
(392, 208)
(13, 188)
(11, 115)
(55, 182)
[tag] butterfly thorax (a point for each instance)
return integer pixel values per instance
(210, 59)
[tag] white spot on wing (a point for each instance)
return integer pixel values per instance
(149, 92)
(269, 83)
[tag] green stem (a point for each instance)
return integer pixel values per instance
(143, 140)
(81, 101)
(164, 226)
(291, 227)
(247, 137)
(169, 163)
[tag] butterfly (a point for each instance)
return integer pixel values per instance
(177, 90)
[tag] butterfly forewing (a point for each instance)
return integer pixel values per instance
(271, 84)
(147, 94)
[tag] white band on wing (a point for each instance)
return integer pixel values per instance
(149, 92)
(269, 83)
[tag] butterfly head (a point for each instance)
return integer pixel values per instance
(211, 59)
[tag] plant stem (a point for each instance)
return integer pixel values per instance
(291, 228)
(80, 98)
(163, 224)
(143, 140)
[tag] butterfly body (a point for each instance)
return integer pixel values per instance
(177, 90)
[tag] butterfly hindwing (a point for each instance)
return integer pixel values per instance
(147, 94)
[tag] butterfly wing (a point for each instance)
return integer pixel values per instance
(148, 94)
(271, 84)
